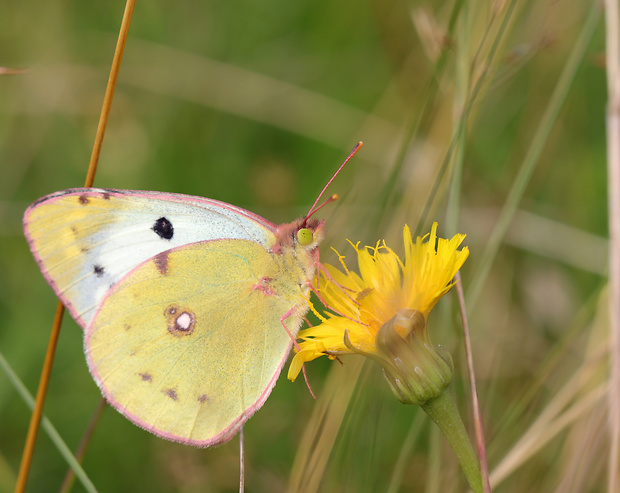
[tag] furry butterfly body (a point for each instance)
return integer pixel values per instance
(185, 301)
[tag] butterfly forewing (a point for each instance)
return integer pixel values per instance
(86, 240)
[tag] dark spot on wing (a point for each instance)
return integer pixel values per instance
(265, 286)
(146, 377)
(83, 199)
(203, 398)
(172, 393)
(161, 262)
(163, 228)
(106, 196)
(98, 270)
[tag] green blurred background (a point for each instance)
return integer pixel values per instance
(256, 104)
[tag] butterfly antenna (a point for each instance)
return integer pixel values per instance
(331, 199)
(314, 208)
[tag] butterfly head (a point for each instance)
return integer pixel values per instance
(302, 234)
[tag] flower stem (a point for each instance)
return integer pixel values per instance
(443, 411)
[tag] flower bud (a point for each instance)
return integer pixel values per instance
(415, 369)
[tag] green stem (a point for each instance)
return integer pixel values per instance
(443, 411)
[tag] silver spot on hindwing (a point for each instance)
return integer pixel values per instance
(180, 321)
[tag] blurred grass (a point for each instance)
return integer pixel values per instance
(256, 104)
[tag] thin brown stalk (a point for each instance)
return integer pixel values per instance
(67, 482)
(613, 170)
(479, 430)
(37, 412)
(241, 462)
(109, 92)
(35, 419)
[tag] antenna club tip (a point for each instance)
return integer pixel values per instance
(314, 208)
(335, 196)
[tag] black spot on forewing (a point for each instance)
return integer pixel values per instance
(161, 262)
(163, 228)
(98, 270)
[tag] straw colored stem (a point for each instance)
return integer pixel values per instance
(37, 412)
(480, 441)
(613, 187)
(35, 419)
(109, 93)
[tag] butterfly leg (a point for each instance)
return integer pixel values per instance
(297, 348)
(290, 334)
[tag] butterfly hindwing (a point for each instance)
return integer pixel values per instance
(86, 240)
(190, 346)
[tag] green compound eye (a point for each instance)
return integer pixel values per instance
(304, 236)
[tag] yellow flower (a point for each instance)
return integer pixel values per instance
(360, 305)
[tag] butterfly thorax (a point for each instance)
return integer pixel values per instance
(297, 259)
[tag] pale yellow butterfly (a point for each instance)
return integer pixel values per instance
(189, 305)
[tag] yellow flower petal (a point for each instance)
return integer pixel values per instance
(361, 304)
